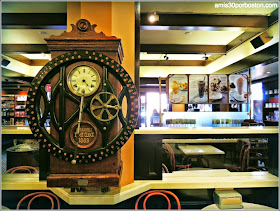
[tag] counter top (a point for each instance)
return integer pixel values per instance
(12, 130)
(198, 179)
(209, 130)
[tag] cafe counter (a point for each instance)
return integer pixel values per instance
(9, 130)
(207, 130)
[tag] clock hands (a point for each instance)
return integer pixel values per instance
(77, 132)
(85, 82)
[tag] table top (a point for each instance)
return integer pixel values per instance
(200, 179)
(200, 150)
(246, 206)
(204, 140)
(208, 130)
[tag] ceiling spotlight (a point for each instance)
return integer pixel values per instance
(205, 57)
(166, 57)
(153, 17)
(268, 72)
(187, 33)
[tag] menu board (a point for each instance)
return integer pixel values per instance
(238, 89)
(198, 89)
(218, 89)
(178, 89)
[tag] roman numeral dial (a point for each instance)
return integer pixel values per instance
(83, 77)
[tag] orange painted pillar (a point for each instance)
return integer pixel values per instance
(114, 19)
(123, 27)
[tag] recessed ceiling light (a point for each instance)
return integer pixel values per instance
(187, 33)
(153, 17)
(268, 72)
(43, 32)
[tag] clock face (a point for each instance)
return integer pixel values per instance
(83, 77)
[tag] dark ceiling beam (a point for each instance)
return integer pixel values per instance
(146, 81)
(24, 48)
(24, 79)
(182, 49)
(174, 62)
(34, 20)
(240, 39)
(273, 18)
(207, 22)
(19, 80)
(252, 60)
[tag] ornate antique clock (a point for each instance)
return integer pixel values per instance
(88, 122)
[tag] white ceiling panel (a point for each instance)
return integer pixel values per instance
(37, 56)
(27, 36)
(193, 38)
(146, 56)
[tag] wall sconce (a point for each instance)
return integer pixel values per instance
(153, 17)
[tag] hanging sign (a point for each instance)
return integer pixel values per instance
(238, 89)
(198, 89)
(178, 88)
(218, 89)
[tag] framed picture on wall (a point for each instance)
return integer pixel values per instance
(177, 88)
(218, 89)
(198, 93)
(238, 89)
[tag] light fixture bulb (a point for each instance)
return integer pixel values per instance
(153, 17)
(268, 72)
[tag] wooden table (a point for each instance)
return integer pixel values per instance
(200, 150)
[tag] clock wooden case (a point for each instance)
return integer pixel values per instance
(89, 87)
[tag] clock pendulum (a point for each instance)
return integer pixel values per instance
(77, 132)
